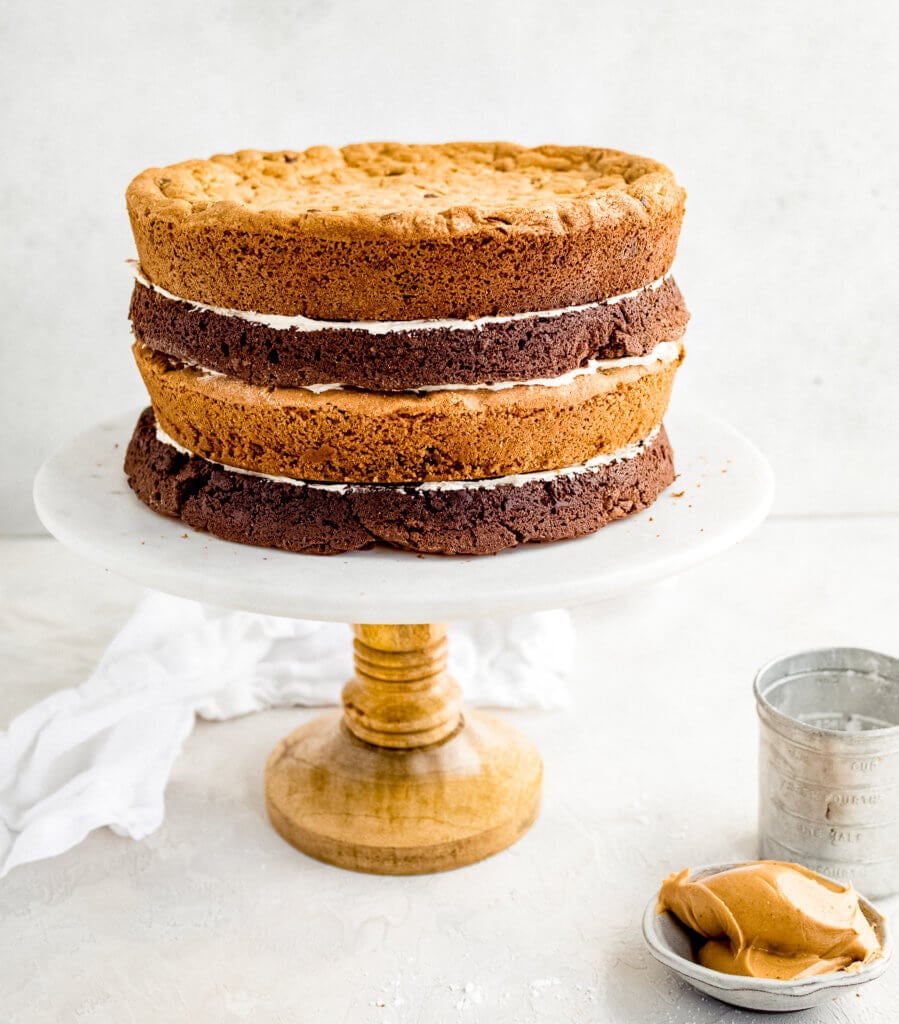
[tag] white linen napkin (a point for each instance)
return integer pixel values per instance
(101, 754)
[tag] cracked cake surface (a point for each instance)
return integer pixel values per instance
(387, 231)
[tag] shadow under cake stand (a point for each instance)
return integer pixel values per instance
(404, 780)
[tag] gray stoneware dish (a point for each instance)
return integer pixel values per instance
(669, 943)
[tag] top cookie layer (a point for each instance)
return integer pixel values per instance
(384, 231)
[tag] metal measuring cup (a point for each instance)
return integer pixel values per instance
(829, 765)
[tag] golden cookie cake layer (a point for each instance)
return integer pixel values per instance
(385, 231)
(348, 435)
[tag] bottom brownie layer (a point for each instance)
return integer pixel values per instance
(477, 520)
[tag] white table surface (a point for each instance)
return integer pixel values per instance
(215, 919)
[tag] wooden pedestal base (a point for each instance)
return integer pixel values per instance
(402, 782)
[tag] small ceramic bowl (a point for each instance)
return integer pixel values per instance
(669, 943)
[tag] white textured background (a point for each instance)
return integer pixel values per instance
(779, 118)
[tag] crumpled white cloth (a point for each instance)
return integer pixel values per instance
(101, 753)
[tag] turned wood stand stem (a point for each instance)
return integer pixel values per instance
(402, 695)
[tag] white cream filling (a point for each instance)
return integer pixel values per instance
(664, 352)
(631, 451)
(302, 323)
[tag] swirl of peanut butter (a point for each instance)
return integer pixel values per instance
(771, 919)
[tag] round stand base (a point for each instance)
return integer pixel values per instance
(403, 812)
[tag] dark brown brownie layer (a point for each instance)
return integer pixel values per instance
(467, 521)
(515, 350)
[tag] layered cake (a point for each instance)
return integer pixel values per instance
(448, 349)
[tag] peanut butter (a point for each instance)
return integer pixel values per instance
(770, 919)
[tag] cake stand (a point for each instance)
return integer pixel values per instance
(404, 780)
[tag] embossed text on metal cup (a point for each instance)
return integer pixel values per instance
(829, 765)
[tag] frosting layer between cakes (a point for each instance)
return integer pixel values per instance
(375, 437)
(464, 520)
(403, 355)
(384, 231)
